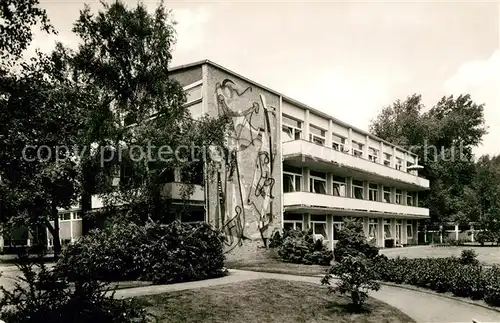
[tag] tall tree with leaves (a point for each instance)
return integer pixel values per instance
(443, 138)
(124, 56)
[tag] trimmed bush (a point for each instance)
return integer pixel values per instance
(301, 248)
(462, 276)
(170, 253)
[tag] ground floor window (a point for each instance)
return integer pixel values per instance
(338, 224)
(387, 229)
(409, 231)
(318, 225)
(373, 230)
(292, 221)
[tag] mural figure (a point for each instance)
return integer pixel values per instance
(246, 183)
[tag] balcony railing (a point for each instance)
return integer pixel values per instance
(303, 148)
(314, 200)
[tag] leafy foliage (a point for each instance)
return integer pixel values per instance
(45, 296)
(443, 138)
(300, 247)
(352, 241)
(170, 253)
(468, 257)
(356, 278)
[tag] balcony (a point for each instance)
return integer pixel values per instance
(302, 153)
(322, 203)
(174, 191)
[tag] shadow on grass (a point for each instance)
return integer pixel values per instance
(347, 308)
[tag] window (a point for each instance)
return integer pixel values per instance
(410, 198)
(399, 197)
(339, 186)
(338, 143)
(317, 182)
(387, 159)
(317, 135)
(292, 221)
(318, 225)
(338, 224)
(409, 231)
(292, 179)
(292, 129)
(372, 154)
(399, 163)
(399, 230)
(387, 229)
(387, 195)
(373, 192)
(373, 230)
(357, 149)
(65, 216)
(77, 215)
(357, 189)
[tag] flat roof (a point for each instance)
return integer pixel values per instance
(286, 98)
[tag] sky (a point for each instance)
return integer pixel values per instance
(347, 59)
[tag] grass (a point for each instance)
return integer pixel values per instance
(275, 266)
(265, 300)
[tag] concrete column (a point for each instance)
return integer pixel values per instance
(349, 186)
(365, 148)
(405, 159)
(456, 232)
(393, 195)
(441, 234)
(365, 226)
(349, 140)
(425, 233)
(306, 125)
(71, 228)
(1, 243)
(416, 163)
(329, 134)
(329, 230)
(404, 197)
(305, 176)
(329, 184)
(404, 237)
(416, 198)
(472, 233)
(381, 240)
(380, 159)
(380, 193)
(365, 190)
(393, 158)
(307, 221)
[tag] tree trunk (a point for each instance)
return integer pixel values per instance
(55, 232)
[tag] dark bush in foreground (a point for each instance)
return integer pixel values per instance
(301, 248)
(463, 276)
(356, 278)
(44, 296)
(160, 253)
(352, 241)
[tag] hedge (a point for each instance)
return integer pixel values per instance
(299, 247)
(461, 276)
(176, 252)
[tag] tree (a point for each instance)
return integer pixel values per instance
(352, 241)
(124, 58)
(443, 138)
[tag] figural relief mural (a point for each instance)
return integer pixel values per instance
(246, 183)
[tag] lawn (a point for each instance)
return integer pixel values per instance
(272, 265)
(487, 255)
(264, 300)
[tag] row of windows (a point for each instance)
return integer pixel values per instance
(318, 224)
(292, 182)
(292, 130)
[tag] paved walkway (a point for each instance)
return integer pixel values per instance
(422, 307)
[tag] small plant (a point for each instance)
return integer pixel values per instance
(356, 276)
(301, 248)
(468, 257)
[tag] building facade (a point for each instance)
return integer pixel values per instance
(290, 166)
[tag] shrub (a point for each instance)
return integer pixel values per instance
(301, 248)
(44, 296)
(159, 253)
(356, 278)
(181, 252)
(352, 241)
(468, 257)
